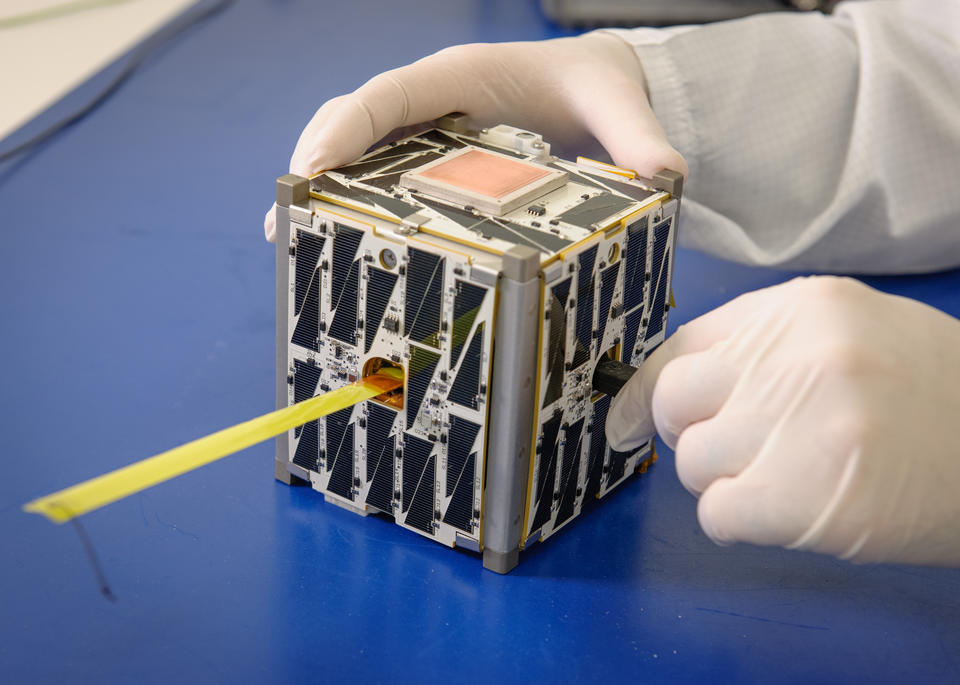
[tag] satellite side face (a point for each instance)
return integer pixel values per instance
(395, 260)
(360, 301)
(608, 299)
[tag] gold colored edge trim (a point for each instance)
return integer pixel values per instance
(486, 429)
(536, 414)
(348, 218)
(611, 168)
(356, 208)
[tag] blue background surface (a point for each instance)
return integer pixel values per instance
(136, 300)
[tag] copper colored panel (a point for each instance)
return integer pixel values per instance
(486, 174)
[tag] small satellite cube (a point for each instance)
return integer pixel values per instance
(495, 277)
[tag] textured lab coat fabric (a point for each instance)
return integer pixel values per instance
(817, 142)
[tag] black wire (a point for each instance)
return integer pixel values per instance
(172, 29)
(89, 549)
(94, 560)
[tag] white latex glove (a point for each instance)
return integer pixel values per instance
(568, 89)
(818, 414)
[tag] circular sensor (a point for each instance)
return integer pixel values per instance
(613, 253)
(388, 259)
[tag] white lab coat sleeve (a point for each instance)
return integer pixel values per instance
(817, 142)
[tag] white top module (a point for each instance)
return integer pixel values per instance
(490, 181)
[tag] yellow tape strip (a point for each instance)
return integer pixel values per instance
(62, 506)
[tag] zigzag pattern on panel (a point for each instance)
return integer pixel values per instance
(344, 282)
(466, 384)
(418, 480)
(570, 471)
(631, 327)
(466, 304)
(598, 447)
(307, 259)
(546, 476)
(556, 352)
(659, 268)
(305, 379)
(423, 297)
(608, 282)
(339, 445)
(461, 464)
(636, 264)
(307, 290)
(422, 365)
(380, 453)
(584, 323)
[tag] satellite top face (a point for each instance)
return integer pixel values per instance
(495, 277)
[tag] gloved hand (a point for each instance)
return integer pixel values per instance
(818, 414)
(568, 90)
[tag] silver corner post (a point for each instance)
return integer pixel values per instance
(512, 403)
(670, 181)
(291, 190)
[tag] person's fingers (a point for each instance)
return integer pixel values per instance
(718, 447)
(690, 388)
(270, 224)
(402, 132)
(434, 86)
(740, 510)
(626, 126)
(630, 418)
(720, 511)
(629, 421)
(338, 133)
(613, 105)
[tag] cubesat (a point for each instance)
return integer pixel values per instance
(497, 278)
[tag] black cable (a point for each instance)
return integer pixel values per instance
(177, 26)
(94, 561)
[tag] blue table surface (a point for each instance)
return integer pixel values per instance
(137, 313)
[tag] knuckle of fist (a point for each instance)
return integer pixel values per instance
(844, 357)
(843, 434)
(825, 300)
(827, 288)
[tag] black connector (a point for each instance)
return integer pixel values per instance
(611, 375)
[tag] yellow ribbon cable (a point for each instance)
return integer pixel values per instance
(62, 506)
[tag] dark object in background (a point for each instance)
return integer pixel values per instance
(585, 13)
